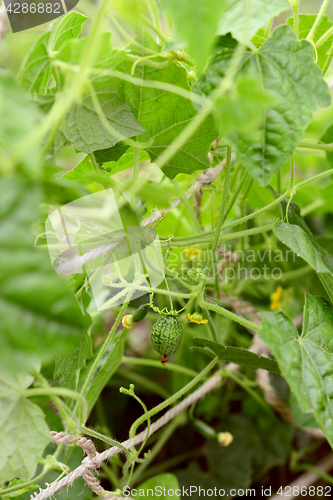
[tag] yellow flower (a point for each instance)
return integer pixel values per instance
(127, 321)
(197, 318)
(224, 438)
(193, 253)
(276, 303)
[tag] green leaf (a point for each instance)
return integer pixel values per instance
(69, 27)
(40, 316)
(242, 106)
(240, 356)
(243, 18)
(85, 174)
(302, 419)
(18, 116)
(106, 367)
(17, 493)
(327, 138)
(35, 71)
(165, 115)
(297, 94)
(196, 26)
(111, 154)
(24, 433)
(305, 23)
(306, 361)
(305, 246)
(68, 366)
(82, 127)
(157, 484)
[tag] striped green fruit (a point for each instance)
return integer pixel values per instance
(166, 336)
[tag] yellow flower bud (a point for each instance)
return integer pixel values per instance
(197, 318)
(127, 321)
(276, 303)
(224, 438)
(193, 253)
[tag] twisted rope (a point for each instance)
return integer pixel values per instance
(93, 460)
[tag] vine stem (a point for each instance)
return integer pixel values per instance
(25, 485)
(173, 398)
(167, 433)
(323, 38)
(135, 174)
(207, 238)
(105, 439)
(223, 205)
(318, 20)
(183, 197)
(228, 314)
(311, 145)
(105, 345)
(296, 18)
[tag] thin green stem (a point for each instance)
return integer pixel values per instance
(126, 35)
(228, 314)
(296, 17)
(312, 145)
(318, 20)
(324, 37)
(60, 405)
(313, 179)
(105, 439)
(199, 239)
(155, 13)
(234, 197)
(319, 472)
(223, 205)
(189, 208)
(105, 345)
(166, 434)
(268, 28)
(152, 290)
(153, 84)
(174, 397)
(292, 172)
(25, 485)
(135, 174)
(157, 364)
(328, 60)
(210, 325)
(57, 391)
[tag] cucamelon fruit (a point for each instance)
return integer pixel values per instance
(166, 335)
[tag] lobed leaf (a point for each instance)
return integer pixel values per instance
(196, 26)
(165, 115)
(306, 361)
(305, 23)
(24, 433)
(35, 71)
(243, 18)
(82, 127)
(285, 68)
